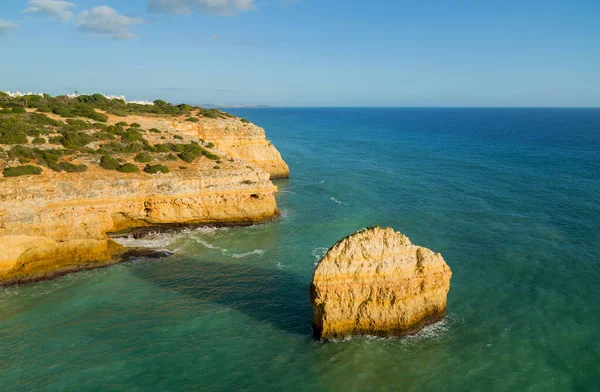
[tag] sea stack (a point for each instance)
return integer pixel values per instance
(376, 282)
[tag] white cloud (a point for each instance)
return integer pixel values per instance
(6, 26)
(214, 7)
(106, 21)
(53, 9)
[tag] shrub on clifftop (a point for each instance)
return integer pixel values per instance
(109, 163)
(67, 167)
(153, 169)
(143, 157)
(128, 168)
(26, 170)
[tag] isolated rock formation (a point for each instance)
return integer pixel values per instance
(375, 282)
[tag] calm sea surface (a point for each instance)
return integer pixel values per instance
(510, 197)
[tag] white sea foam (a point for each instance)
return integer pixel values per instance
(318, 253)
(282, 266)
(208, 229)
(154, 241)
(429, 332)
(285, 213)
(165, 240)
(293, 193)
(208, 245)
(336, 200)
(259, 252)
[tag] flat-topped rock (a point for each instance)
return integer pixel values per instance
(376, 282)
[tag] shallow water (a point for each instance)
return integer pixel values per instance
(508, 196)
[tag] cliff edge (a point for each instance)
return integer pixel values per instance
(67, 185)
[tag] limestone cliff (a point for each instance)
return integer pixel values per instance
(242, 140)
(375, 282)
(236, 138)
(60, 221)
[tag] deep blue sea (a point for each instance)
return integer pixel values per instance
(510, 197)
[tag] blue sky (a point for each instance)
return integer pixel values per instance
(308, 52)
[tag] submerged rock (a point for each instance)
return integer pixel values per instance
(376, 282)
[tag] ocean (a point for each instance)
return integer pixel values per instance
(510, 197)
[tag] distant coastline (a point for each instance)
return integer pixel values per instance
(213, 106)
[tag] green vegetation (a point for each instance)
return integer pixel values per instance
(128, 168)
(84, 105)
(43, 157)
(17, 171)
(211, 113)
(193, 151)
(68, 167)
(192, 119)
(143, 157)
(36, 140)
(109, 163)
(132, 135)
(153, 169)
(244, 121)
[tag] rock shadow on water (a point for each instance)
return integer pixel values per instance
(266, 294)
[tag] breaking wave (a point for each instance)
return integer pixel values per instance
(208, 245)
(259, 252)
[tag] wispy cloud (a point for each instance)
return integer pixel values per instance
(53, 9)
(213, 7)
(106, 21)
(6, 26)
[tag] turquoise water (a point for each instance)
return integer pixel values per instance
(510, 197)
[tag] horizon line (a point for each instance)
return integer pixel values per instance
(405, 107)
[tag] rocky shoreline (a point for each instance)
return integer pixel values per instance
(56, 223)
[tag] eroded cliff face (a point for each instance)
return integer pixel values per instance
(59, 222)
(237, 139)
(375, 282)
(245, 141)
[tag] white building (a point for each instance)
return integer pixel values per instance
(142, 102)
(20, 94)
(75, 95)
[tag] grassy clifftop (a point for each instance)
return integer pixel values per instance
(71, 134)
(84, 105)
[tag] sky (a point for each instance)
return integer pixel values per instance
(307, 52)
